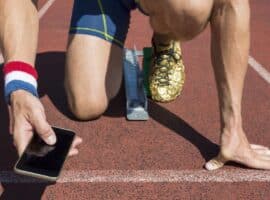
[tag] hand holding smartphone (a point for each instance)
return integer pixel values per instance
(45, 161)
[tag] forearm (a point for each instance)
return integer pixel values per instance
(230, 48)
(18, 30)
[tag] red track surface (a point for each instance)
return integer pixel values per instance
(180, 135)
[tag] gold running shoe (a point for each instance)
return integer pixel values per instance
(167, 74)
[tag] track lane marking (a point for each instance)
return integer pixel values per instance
(147, 176)
(45, 8)
(260, 69)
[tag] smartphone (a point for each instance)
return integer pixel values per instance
(44, 161)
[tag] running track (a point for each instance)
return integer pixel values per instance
(158, 159)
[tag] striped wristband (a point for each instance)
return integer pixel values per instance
(19, 76)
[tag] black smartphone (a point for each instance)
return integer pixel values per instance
(45, 161)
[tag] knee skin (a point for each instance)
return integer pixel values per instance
(87, 109)
(86, 106)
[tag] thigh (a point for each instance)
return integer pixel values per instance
(182, 19)
(93, 68)
(94, 59)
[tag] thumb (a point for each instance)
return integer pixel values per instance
(44, 130)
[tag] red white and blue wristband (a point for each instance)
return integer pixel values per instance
(19, 76)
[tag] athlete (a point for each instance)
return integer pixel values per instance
(94, 59)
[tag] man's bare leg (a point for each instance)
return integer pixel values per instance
(167, 75)
(93, 75)
(230, 50)
(230, 43)
(163, 39)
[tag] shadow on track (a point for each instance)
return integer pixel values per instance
(168, 119)
(29, 191)
(50, 66)
(51, 83)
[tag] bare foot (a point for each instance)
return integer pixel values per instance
(235, 147)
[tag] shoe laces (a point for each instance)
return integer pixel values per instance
(164, 60)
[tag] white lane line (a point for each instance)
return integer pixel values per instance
(45, 8)
(259, 69)
(148, 176)
(41, 13)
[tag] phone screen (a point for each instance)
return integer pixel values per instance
(41, 158)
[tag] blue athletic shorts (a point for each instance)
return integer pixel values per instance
(106, 19)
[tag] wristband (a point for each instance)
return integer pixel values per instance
(19, 76)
